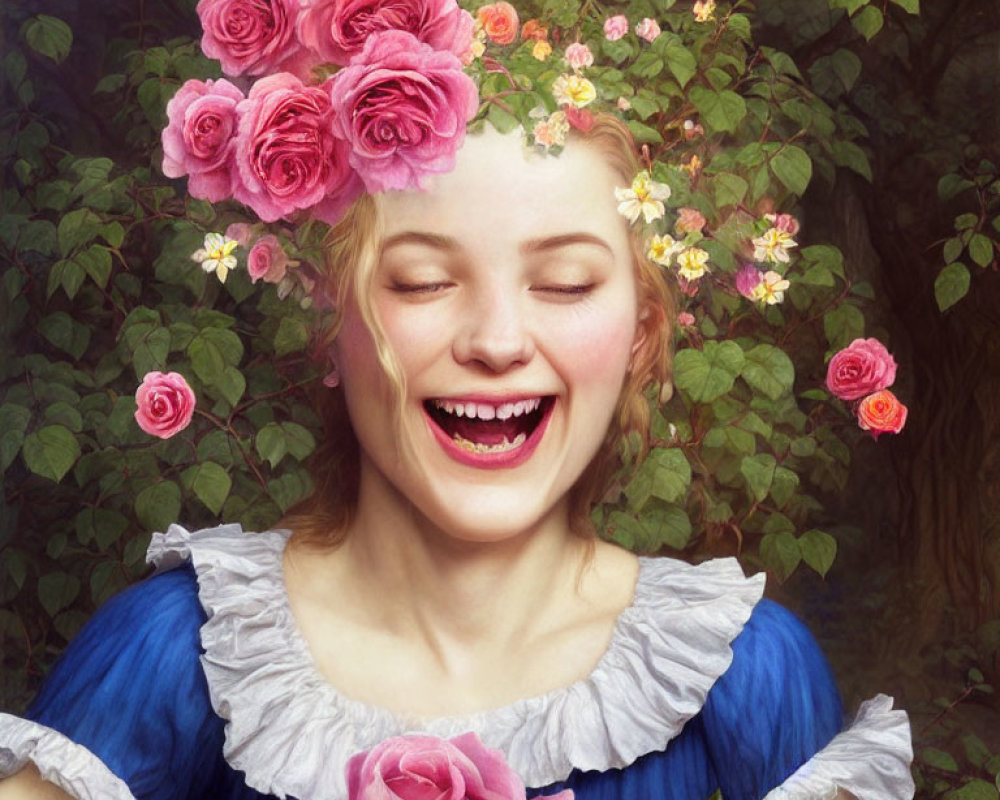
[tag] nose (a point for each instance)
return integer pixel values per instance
(495, 333)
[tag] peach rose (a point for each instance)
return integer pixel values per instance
(690, 220)
(499, 21)
(164, 404)
(533, 29)
(881, 412)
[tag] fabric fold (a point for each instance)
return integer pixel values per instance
(666, 652)
(70, 766)
(870, 759)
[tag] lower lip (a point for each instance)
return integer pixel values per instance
(504, 460)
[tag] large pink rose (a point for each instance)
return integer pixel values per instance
(250, 36)
(287, 155)
(403, 106)
(336, 30)
(861, 368)
(164, 404)
(198, 139)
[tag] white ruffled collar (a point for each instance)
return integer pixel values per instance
(283, 719)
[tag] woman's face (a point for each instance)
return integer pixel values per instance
(507, 295)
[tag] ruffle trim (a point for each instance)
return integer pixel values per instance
(666, 651)
(70, 766)
(870, 759)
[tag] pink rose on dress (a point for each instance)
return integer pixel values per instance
(579, 56)
(861, 368)
(615, 27)
(429, 768)
(648, 29)
(250, 36)
(403, 106)
(287, 155)
(164, 404)
(198, 139)
(336, 30)
(267, 261)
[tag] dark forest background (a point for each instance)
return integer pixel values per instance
(912, 605)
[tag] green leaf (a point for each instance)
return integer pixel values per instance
(644, 134)
(705, 375)
(13, 425)
(825, 255)
(665, 474)
(62, 413)
(210, 482)
(729, 189)
(150, 352)
(975, 748)
(158, 506)
(951, 284)
(819, 549)
(938, 759)
(49, 36)
(975, 789)
(299, 441)
(231, 384)
(288, 489)
(65, 333)
(732, 439)
(851, 6)
(681, 62)
(99, 525)
(291, 337)
(981, 249)
(843, 325)
(110, 83)
(848, 154)
(768, 370)
(868, 21)
(791, 165)
(270, 443)
(965, 221)
(780, 553)
(952, 249)
(96, 262)
(66, 274)
(758, 471)
(51, 451)
(721, 111)
(909, 6)
(57, 590)
(77, 228)
(817, 275)
(648, 65)
(666, 526)
(951, 184)
(783, 486)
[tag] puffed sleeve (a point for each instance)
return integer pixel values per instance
(125, 713)
(775, 728)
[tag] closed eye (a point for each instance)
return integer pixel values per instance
(566, 289)
(419, 288)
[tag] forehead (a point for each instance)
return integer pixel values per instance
(501, 188)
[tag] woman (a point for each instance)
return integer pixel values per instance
(444, 578)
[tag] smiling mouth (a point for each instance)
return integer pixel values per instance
(489, 428)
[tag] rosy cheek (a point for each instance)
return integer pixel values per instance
(599, 347)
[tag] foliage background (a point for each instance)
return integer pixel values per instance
(891, 549)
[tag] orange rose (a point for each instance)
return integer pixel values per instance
(499, 22)
(881, 412)
(533, 29)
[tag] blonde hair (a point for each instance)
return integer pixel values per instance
(351, 255)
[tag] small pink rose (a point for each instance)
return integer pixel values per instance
(615, 27)
(403, 107)
(199, 137)
(249, 36)
(785, 223)
(690, 220)
(164, 404)
(239, 232)
(267, 261)
(648, 29)
(499, 21)
(287, 155)
(580, 118)
(685, 319)
(748, 281)
(861, 368)
(579, 56)
(336, 30)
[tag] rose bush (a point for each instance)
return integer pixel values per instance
(286, 154)
(402, 106)
(249, 36)
(164, 404)
(336, 30)
(863, 367)
(199, 139)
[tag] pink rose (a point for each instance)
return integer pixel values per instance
(690, 220)
(785, 223)
(198, 139)
(881, 412)
(863, 367)
(164, 404)
(615, 27)
(579, 56)
(249, 36)
(582, 119)
(338, 29)
(239, 232)
(267, 261)
(287, 154)
(648, 29)
(685, 319)
(403, 107)
(499, 22)
(748, 281)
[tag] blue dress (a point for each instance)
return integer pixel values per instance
(195, 685)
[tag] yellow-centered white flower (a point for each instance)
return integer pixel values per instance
(645, 196)
(216, 256)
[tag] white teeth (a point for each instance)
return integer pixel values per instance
(485, 411)
(488, 411)
(478, 447)
(506, 411)
(459, 410)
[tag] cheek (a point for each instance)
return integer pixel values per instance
(599, 348)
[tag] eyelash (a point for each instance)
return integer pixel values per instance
(572, 289)
(419, 288)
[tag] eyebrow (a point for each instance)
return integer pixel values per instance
(427, 239)
(563, 240)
